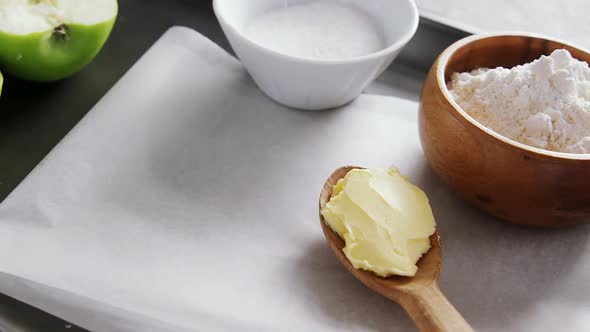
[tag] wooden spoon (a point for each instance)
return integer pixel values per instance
(420, 295)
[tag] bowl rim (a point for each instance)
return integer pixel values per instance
(442, 84)
(397, 45)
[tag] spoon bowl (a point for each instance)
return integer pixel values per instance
(420, 295)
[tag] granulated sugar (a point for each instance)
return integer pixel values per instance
(545, 103)
(319, 30)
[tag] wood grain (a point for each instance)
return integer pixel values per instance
(523, 185)
(419, 295)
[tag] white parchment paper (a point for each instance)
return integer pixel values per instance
(186, 200)
(566, 20)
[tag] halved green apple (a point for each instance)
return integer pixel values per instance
(47, 40)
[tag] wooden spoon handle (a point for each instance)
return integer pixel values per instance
(432, 312)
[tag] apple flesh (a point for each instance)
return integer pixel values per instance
(48, 40)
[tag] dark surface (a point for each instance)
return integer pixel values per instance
(35, 117)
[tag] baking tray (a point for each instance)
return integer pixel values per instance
(35, 117)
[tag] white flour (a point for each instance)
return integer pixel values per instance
(545, 103)
(318, 29)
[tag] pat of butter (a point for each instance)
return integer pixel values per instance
(384, 219)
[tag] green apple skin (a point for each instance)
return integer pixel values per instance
(50, 56)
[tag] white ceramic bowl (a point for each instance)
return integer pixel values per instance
(315, 84)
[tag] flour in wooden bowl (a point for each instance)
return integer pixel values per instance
(545, 103)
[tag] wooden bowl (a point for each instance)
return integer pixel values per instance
(507, 179)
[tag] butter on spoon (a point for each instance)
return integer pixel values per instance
(420, 294)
